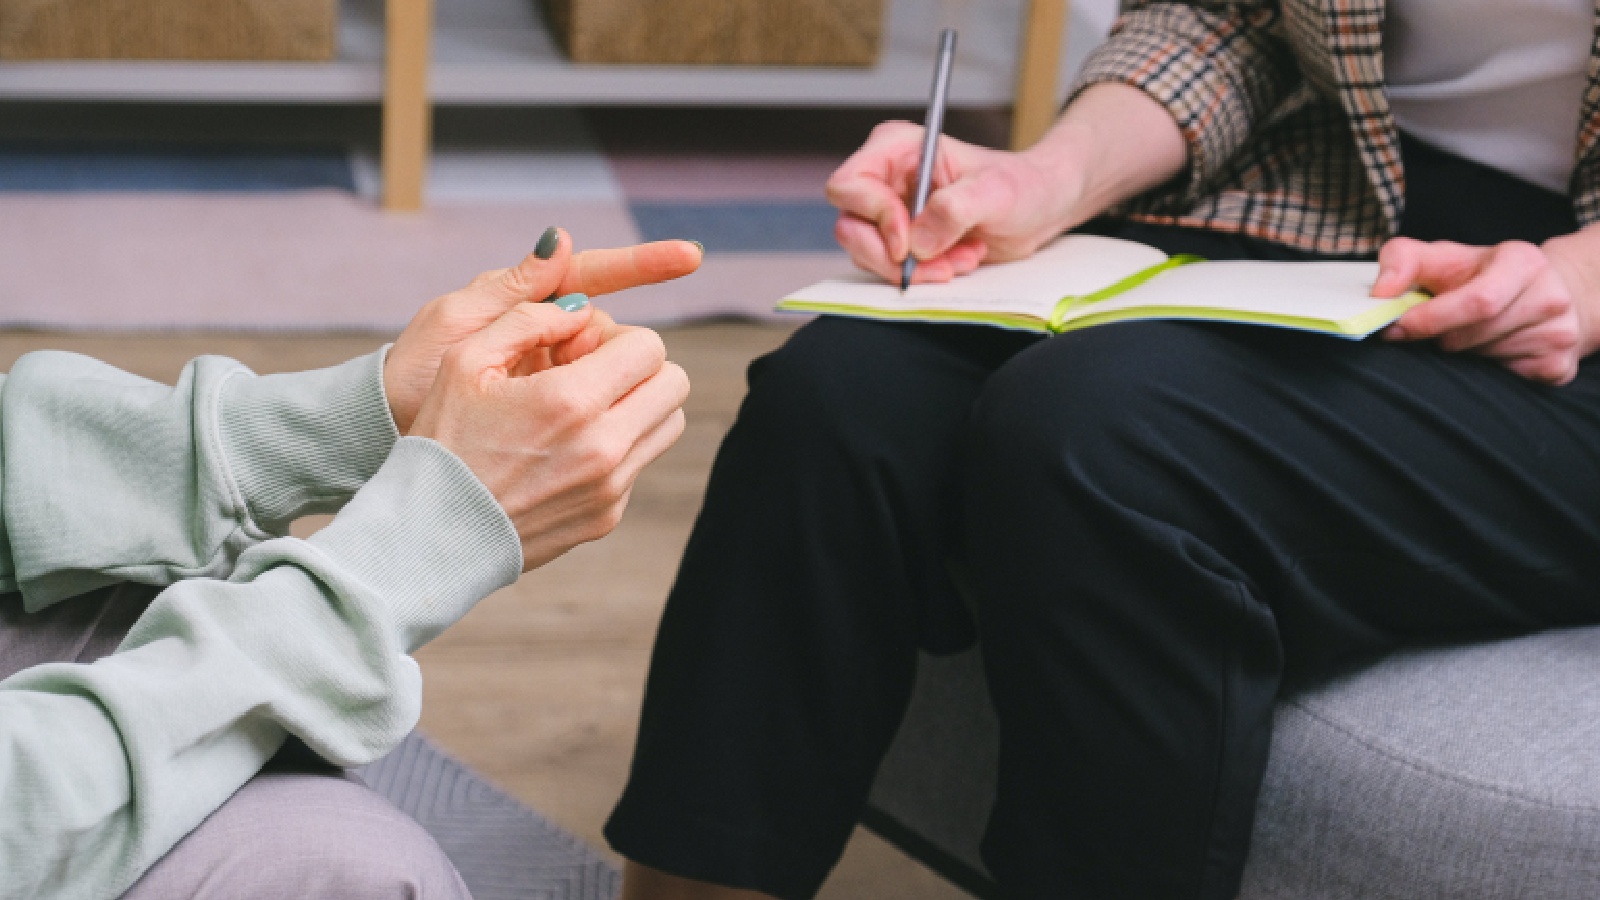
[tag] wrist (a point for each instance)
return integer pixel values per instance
(1574, 258)
(1113, 143)
(1062, 158)
(305, 441)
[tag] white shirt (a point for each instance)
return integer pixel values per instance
(1496, 81)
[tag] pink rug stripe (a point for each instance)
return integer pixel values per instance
(319, 260)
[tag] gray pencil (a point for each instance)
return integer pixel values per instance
(930, 140)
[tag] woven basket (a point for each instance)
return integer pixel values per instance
(729, 32)
(169, 29)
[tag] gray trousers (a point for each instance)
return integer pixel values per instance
(300, 830)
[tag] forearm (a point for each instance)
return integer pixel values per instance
(1220, 68)
(108, 477)
(1111, 144)
(104, 767)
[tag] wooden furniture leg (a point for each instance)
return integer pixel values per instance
(407, 113)
(1034, 110)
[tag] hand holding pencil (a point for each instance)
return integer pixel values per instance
(989, 205)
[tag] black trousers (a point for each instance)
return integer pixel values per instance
(1162, 526)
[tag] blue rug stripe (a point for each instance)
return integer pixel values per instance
(49, 169)
(751, 226)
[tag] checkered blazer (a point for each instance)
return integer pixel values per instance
(1282, 103)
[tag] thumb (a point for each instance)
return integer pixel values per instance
(1436, 266)
(954, 210)
(1399, 263)
(536, 277)
(520, 330)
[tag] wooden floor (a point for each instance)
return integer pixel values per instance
(539, 688)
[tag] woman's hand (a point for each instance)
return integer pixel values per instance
(1532, 308)
(1113, 142)
(559, 447)
(442, 323)
(985, 205)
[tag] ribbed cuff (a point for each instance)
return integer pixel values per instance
(305, 442)
(427, 537)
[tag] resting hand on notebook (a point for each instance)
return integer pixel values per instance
(1535, 309)
(995, 206)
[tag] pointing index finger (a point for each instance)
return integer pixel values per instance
(596, 272)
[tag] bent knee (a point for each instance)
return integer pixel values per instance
(855, 384)
(1136, 412)
(295, 836)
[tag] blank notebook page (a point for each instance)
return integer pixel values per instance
(1328, 290)
(1074, 265)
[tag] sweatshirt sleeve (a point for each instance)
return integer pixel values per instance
(104, 767)
(108, 477)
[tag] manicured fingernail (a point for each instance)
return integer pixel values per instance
(572, 302)
(548, 242)
(701, 246)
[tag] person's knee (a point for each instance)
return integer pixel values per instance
(1125, 427)
(293, 836)
(1085, 403)
(840, 384)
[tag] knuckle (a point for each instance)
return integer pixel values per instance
(598, 461)
(1480, 304)
(650, 345)
(1399, 252)
(613, 488)
(1524, 255)
(950, 206)
(677, 424)
(433, 308)
(565, 406)
(515, 281)
(1564, 337)
(677, 379)
(458, 362)
(1552, 368)
(606, 521)
(1555, 304)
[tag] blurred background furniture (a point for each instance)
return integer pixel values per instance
(1465, 772)
(719, 32)
(410, 56)
(280, 30)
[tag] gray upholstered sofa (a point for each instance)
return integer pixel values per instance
(1448, 773)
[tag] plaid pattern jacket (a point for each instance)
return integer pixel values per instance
(1282, 103)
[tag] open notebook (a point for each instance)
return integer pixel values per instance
(1082, 280)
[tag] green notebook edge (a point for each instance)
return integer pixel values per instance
(1354, 328)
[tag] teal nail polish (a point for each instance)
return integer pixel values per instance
(701, 246)
(548, 242)
(572, 302)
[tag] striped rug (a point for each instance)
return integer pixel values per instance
(503, 850)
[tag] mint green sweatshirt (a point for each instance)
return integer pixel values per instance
(106, 477)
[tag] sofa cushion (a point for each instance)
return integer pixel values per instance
(1456, 772)
(1465, 772)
